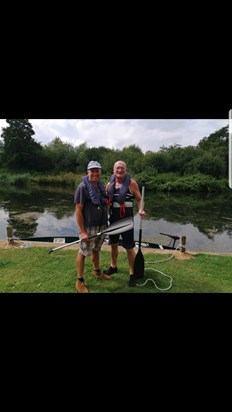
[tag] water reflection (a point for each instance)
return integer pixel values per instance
(210, 213)
(206, 219)
(25, 207)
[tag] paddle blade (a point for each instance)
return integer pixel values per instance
(120, 226)
(139, 265)
(114, 229)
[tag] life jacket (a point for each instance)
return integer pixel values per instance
(122, 193)
(123, 190)
(93, 192)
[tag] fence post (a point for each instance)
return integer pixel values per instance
(182, 244)
(9, 230)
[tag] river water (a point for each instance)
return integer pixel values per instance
(205, 219)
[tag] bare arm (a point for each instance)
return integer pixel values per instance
(107, 193)
(134, 188)
(80, 221)
(107, 188)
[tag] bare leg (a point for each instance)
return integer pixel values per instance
(80, 264)
(114, 254)
(95, 259)
(131, 259)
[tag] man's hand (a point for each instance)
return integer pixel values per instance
(84, 236)
(142, 213)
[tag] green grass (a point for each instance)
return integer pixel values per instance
(34, 270)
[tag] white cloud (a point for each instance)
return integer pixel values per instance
(148, 134)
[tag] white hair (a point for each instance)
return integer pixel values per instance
(119, 161)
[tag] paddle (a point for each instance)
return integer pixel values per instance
(114, 229)
(139, 259)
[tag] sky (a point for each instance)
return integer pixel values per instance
(148, 134)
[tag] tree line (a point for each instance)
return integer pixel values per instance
(19, 151)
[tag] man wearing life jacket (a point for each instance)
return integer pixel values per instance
(122, 190)
(91, 216)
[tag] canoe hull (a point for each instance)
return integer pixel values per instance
(70, 239)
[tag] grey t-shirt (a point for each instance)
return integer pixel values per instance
(94, 215)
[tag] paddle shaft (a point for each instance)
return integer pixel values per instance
(115, 228)
(72, 243)
(139, 259)
(141, 220)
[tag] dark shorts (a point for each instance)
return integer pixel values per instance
(127, 239)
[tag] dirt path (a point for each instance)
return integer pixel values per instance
(19, 244)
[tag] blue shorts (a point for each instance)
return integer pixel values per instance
(127, 239)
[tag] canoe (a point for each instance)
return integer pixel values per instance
(70, 239)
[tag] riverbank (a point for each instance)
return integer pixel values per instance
(29, 268)
(19, 244)
(161, 182)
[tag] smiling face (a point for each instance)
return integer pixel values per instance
(94, 175)
(120, 170)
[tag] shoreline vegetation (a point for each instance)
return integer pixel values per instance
(201, 168)
(165, 182)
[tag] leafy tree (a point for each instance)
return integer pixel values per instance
(1, 151)
(94, 153)
(215, 148)
(180, 158)
(81, 157)
(209, 164)
(132, 155)
(85, 154)
(62, 155)
(169, 148)
(158, 162)
(20, 150)
(216, 140)
(108, 160)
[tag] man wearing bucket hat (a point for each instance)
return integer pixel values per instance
(91, 216)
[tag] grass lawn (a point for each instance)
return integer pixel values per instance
(33, 270)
